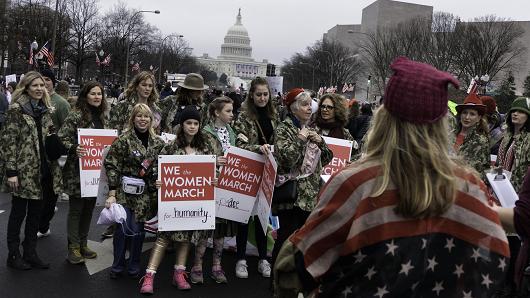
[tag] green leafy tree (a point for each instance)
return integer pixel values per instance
(505, 95)
(526, 86)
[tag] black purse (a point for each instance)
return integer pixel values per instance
(286, 193)
(54, 147)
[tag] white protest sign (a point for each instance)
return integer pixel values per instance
(11, 78)
(103, 187)
(266, 190)
(186, 199)
(238, 184)
(341, 154)
(503, 188)
(94, 141)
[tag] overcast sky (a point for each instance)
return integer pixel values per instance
(279, 28)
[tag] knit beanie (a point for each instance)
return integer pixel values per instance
(291, 96)
(417, 92)
(49, 74)
(190, 112)
(521, 104)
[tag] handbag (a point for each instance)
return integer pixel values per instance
(285, 193)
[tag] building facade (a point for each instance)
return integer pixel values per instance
(236, 55)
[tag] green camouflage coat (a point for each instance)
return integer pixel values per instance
(121, 112)
(21, 152)
(68, 136)
(174, 149)
(247, 136)
(475, 151)
(170, 107)
(289, 153)
(124, 159)
(521, 156)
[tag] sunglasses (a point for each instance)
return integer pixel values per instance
(259, 94)
(326, 107)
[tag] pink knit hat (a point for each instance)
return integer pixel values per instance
(417, 92)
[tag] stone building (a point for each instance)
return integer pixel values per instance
(236, 55)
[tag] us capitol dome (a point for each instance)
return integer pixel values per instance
(236, 55)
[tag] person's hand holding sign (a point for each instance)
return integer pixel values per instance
(81, 151)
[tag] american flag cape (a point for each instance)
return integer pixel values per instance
(357, 246)
(46, 52)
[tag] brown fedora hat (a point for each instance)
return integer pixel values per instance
(193, 81)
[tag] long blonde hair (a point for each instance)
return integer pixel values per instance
(142, 76)
(25, 82)
(416, 160)
(144, 109)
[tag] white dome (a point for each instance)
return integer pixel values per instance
(236, 44)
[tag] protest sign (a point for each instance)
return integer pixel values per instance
(238, 184)
(266, 190)
(341, 154)
(186, 199)
(94, 141)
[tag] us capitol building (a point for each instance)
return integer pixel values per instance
(236, 55)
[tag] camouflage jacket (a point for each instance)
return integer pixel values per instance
(120, 113)
(124, 159)
(170, 109)
(289, 153)
(475, 151)
(68, 136)
(521, 156)
(21, 151)
(247, 132)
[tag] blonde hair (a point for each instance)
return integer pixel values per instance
(416, 160)
(142, 108)
(25, 82)
(142, 76)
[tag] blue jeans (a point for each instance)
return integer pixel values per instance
(132, 239)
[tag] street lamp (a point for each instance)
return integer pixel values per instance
(161, 52)
(368, 87)
(331, 62)
(128, 49)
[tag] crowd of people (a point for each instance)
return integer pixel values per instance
(410, 216)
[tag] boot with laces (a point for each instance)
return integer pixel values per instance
(179, 279)
(74, 256)
(147, 282)
(87, 253)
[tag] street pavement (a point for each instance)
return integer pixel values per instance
(92, 279)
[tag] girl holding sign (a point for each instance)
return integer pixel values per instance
(255, 128)
(221, 114)
(89, 112)
(129, 166)
(190, 140)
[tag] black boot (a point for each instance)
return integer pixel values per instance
(15, 261)
(34, 261)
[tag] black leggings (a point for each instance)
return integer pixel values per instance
(290, 221)
(242, 238)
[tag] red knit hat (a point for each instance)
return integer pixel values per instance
(417, 92)
(290, 98)
(472, 101)
(489, 102)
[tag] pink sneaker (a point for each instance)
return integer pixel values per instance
(179, 279)
(147, 283)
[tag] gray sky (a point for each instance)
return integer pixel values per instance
(279, 28)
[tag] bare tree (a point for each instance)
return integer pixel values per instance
(83, 15)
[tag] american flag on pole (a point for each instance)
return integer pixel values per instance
(46, 52)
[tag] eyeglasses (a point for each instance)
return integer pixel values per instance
(259, 94)
(326, 107)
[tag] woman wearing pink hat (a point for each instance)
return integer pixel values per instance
(472, 134)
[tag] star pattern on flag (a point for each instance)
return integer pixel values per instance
(486, 280)
(359, 257)
(459, 270)
(432, 264)
(391, 248)
(423, 243)
(467, 294)
(450, 244)
(347, 291)
(476, 254)
(438, 287)
(405, 268)
(371, 272)
(381, 292)
(502, 264)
